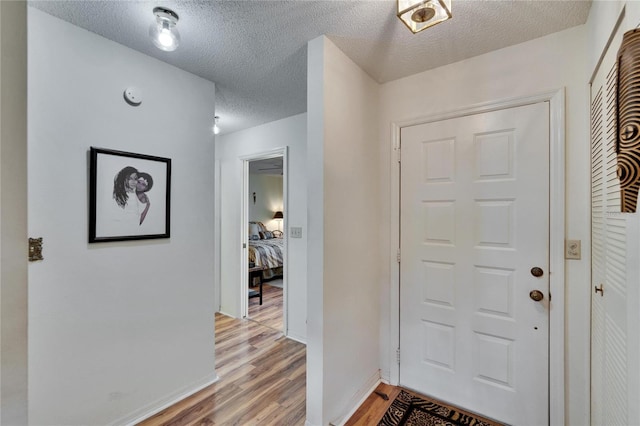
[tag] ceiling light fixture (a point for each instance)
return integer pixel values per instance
(216, 129)
(419, 15)
(163, 31)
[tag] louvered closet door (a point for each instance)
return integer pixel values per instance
(611, 355)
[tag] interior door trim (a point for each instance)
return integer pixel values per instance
(556, 99)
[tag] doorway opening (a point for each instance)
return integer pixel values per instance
(263, 283)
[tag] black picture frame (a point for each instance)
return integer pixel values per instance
(129, 196)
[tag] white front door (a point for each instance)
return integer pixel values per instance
(474, 223)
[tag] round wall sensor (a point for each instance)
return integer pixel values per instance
(133, 96)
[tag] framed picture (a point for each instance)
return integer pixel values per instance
(129, 196)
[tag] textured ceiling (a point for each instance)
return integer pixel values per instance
(255, 50)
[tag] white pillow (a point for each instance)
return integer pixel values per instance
(254, 229)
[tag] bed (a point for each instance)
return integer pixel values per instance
(265, 250)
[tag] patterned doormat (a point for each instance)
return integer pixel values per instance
(410, 410)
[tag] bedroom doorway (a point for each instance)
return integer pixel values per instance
(263, 285)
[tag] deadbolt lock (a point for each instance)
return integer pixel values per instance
(537, 272)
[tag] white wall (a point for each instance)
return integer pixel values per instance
(292, 133)
(344, 222)
(115, 329)
(315, 232)
(13, 213)
(537, 66)
(603, 16)
(268, 190)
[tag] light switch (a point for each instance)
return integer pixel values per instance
(295, 232)
(573, 249)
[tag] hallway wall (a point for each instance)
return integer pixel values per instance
(344, 222)
(289, 132)
(115, 329)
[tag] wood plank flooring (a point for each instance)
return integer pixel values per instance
(373, 408)
(270, 312)
(262, 381)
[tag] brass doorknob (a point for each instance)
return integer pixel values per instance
(536, 295)
(537, 272)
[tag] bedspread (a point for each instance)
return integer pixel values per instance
(266, 253)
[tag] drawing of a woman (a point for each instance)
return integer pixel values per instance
(124, 184)
(144, 184)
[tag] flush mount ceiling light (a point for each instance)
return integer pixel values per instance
(419, 15)
(163, 31)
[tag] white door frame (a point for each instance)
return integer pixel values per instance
(244, 232)
(556, 101)
(14, 281)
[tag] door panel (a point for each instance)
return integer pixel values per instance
(474, 221)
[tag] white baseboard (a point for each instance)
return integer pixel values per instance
(226, 314)
(359, 397)
(159, 405)
(297, 338)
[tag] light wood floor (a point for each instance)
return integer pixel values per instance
(270, 312)
(373, 408)
(262, 381)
